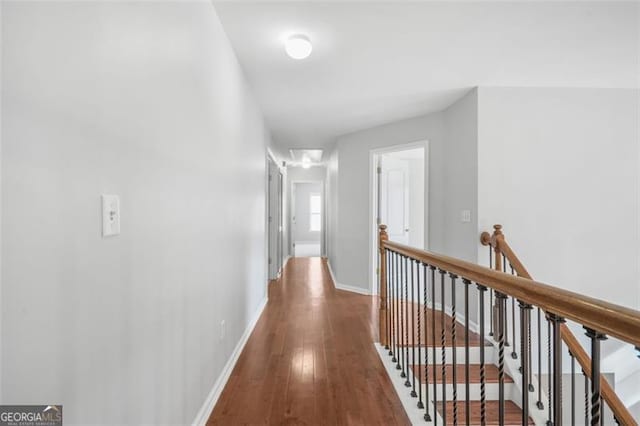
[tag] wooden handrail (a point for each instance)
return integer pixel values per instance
(498, 243)
(608, 318)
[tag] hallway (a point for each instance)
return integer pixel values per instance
(311, 359)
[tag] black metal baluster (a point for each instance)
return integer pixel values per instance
(433, 343)
(392, 302)
(396, 358)
(586, 398)
(467, 389)
(425, 275)
(417, 367)
(573, 388)
(506, 321)
(387, 271)
(550, 376)
(443, 347)
(602, 406)
(483, 393)
(514, 354)
(490, 294)
(501, 301)
(596, 337)
(402, 326)
(530, 368)
(405, 358)
(525, 308)
(539, 404)
(556, 321)
(453, 348)
(413, 329)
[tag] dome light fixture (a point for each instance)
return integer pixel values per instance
(298, 46)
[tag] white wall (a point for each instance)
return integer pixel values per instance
(452, 185)
(461, 177)
(145, 100)
(558, 168)
(416, 202)
(300, 174)
(350, 235)
(331, 200)
(301, 230)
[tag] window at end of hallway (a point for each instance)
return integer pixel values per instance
(315, 218)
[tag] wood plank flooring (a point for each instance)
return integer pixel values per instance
(311, 359)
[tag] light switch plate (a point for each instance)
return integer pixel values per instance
(465, 216)
(110, 215)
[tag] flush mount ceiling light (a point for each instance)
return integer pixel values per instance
(305, 158)
(298, 46)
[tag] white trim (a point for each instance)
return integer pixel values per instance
(345, 287)
(206, 409)
(473, 325)
(408, 403)
(284, 264)
(352, 289)
(292, 212)
(373, 226)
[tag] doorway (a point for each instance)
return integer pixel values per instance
(275, 220)
(400, 199)
(307, 218)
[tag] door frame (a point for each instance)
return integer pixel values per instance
(291, 210)
(278, 256)
(374, 154)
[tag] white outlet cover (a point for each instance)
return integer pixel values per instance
(110, 215)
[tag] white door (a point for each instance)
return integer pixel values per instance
(307, 219)
(275, 220)
(394, 198)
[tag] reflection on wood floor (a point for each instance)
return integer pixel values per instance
(311, 359)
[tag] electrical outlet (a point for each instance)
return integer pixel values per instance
(223, 329)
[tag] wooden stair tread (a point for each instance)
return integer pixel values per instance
(410, 333)
(491, 373)
(512, 413)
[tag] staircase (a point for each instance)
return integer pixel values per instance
(453, 408)
(464, 344)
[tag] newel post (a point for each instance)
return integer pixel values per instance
(497, 234)
(492, 240)
(382, 291)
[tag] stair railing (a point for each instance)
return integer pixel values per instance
(601, 390)
(426, 334)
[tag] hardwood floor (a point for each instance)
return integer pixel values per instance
(310, 359)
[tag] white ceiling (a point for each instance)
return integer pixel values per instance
(377, 62)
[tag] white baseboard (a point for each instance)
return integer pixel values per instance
(345, 287)
(284, 265)
(352, 289)
(218, 386)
